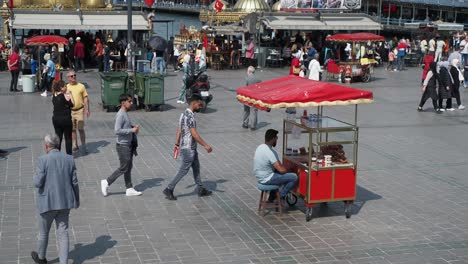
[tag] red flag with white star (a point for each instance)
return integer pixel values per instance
(218, 6)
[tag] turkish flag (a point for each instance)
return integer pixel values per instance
(218, 6)
(149, 3)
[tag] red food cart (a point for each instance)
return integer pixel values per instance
(321, 149)
(355, 67)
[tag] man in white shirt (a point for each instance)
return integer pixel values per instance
(464, 51)
(423, 46)
(314, 69)
(440, 45)
(432, 44)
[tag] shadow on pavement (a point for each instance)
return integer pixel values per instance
(148, 184)
(81, 253)
(15, 149)
(210, 185)
(337, 208)
(93, 147)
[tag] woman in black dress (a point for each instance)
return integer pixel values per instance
(63, 102)
(429, 88)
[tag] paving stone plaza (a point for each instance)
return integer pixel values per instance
(412, 194)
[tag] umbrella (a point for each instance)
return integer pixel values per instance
(157, 43)
(294, 91)
(46, 40)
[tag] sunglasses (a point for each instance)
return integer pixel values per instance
(74, 75)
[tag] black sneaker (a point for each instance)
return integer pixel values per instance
(169, 194)
(36, 258)
(204, 192)
(420, 109)
(244, 126)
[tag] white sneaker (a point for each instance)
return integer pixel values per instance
(44, 94)
(442, 109)
(132, 192)
(461, 107)
(104, 186)
(450, 109)
(179, 101)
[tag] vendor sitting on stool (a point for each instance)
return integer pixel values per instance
(268, 168)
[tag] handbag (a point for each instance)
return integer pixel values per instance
(296, 71)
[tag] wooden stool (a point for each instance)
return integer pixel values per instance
(263, 203)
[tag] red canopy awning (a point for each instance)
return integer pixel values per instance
(46, 40)
(294, 91)
(360, 37)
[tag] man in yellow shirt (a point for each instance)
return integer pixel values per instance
(81, 106)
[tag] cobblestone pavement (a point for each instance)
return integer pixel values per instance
(411, 207)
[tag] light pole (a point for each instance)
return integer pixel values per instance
(129, 38)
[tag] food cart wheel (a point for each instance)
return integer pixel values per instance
(348, 206)
(291, 199)
(366, 76)
(308, 213)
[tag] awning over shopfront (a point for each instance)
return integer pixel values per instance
(449, 3)
(72, 20)
(289, 21)
(438, 26)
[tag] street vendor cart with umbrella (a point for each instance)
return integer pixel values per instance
(353, 66)
(321, 149)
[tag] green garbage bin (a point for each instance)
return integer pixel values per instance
(150, 87)
(113, 84)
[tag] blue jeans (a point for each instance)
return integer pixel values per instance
(464, 61)
(61, 222)
(106, 65)
(161, 64)
(288, 180)
(188, 158)
(401, 62)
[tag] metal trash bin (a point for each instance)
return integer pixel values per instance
(29, 82)
(150, 87)
(113, 84)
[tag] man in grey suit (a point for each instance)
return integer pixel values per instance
(250, 79)
(57, 192)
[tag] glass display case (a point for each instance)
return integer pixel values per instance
(323, 152)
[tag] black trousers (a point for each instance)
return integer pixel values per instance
(63, 127)
(14, 80)
(125, 154)
(456, 94)
(424, 98)
(448, 104)
(99, 63)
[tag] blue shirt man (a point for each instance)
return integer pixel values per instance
(268, 168)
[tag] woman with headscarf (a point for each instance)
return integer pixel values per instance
(445, 86)
(457, 81)
(428, 58)
(429, 88)
(186, 68)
